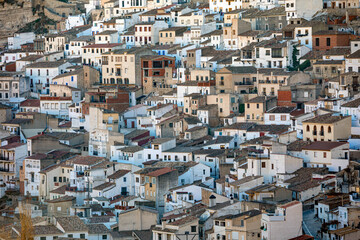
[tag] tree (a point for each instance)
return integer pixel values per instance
(27, 230)
(295, 61)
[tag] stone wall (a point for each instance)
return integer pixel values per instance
(13, 17)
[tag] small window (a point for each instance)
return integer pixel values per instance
(193, 228)
(82, 235)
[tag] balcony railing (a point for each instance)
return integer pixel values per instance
(3, 158)
(302, 35)
(6, 170)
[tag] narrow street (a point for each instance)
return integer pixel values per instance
(310, 224)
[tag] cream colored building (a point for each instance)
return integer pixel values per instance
(327, 128)
(123, 66)
(232, 31)
(171, 35)
(55, 43)
(50, 178)
(256, 107)
(141, 218)
(243, 226)
(227, 103)
(284, 224)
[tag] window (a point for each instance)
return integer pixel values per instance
(263, 165)
(317, 42)
(193, 228)
(272, 117)
(283, 117)
(82, 235)
(104, 236)
(42, 238)
(324, 154)
(328, 42)
(55, 179)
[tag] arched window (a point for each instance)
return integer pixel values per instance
(329, 129)
(307, 128)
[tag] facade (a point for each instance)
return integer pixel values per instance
(121, 66)
(271, 222)
(325, 128)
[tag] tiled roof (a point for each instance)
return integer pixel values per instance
(54, 64)
(323, 146)
(354, 54)
(87, 160)
(352, 104)
(183, 221)
(30, 103)
(12, 145)
(59, 190)
(244, 180)
(46, 230)
(297, 145)
(104, 186)
(97, 229)
(330, 32)
(161, 172)
(282, 110)
(72, 224)
(118, 174)
(326, 118)
(290, 204)
(61, 199)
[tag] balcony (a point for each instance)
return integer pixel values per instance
(302, 35)
(270, 217)
(6, 170)
(243, 83)
(3, 158)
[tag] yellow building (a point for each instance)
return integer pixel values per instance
(122, 66)
(327, 128)
(243, 226)
(168, 35)
(256, 107)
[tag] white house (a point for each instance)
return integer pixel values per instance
(42, 73)
(333, 155)
(279, 116)
(19, 39)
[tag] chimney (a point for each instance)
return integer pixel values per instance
(163, 224)
(212, 201)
